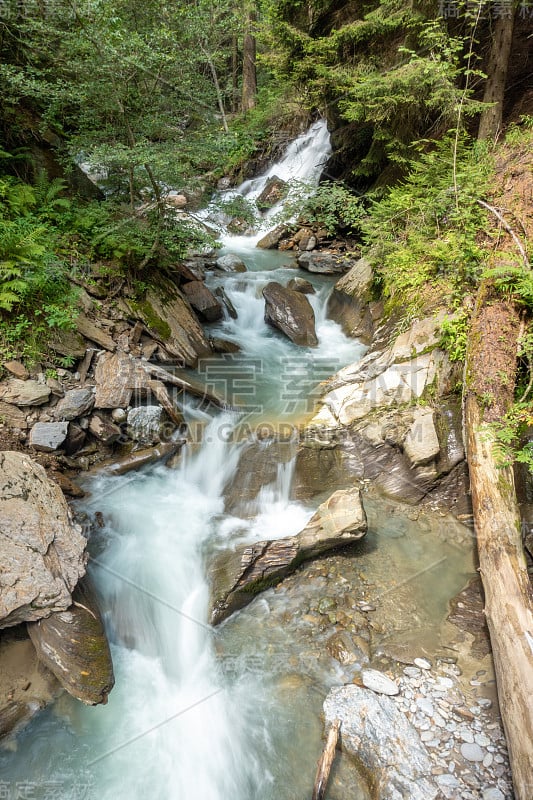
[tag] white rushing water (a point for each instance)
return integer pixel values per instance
(175, 725)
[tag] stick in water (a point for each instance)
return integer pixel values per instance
(326, 761)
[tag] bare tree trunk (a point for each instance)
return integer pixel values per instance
(249, 77)
(216, 84)
(491, 119)
(490, 370)
(234, 74)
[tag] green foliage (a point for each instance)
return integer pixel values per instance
(239, 207)
(514, 281)
(454, 335)
(334, 207)
(511, 442)
(425, 231)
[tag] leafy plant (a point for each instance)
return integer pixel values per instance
(454, 335)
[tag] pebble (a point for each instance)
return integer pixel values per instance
(378, 682)
(466, 735)
(482, 740)
(492, 794)
(425, 706)
(472, 752)
(412, 672)
(447, 780)
(487, 761)
(423, 663)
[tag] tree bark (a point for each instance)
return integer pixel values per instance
(490, 371)
(497, 68)
(249, 77)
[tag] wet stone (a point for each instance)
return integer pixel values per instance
(472, 752)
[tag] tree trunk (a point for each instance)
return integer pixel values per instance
(491, 367)
(249, 77)
(234, 74)
(491, 119)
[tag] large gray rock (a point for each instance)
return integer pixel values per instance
(48, 436)
(42, 553)
(24, 393)
(375, 732)
(348, 303)
(325, 262)
(231, 263)
(290, 312)
(238, 576)
(75, 403)
(421, 444)
(73, 645)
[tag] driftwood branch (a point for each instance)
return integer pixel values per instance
(326, 761)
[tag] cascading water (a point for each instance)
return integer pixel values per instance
(231, 713)
(177, 725)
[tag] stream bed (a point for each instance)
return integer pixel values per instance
(234, 713)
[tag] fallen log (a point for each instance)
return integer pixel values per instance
(489, 387)
(326, 761)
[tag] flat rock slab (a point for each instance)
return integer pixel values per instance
(12, 416)
(91, 331)
(379, 735)
(24, 393)
(290, 312)
(240, 575)
(73, 645)
(231, 263)
(42, 551)
(325, 262)
(48, 436)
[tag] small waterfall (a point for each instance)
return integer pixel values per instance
(300, 167)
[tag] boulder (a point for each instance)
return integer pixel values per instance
(421, 444)
(75, 403)
(17, 369)
(161, 394)
(226, 302)
(169, 318)
(144, 423)
(379, 735)
(301, 285)
(24, 393)
(349, 301)
(326, 262)
(274, 191)
(271, 239)
(240, 575)
(258, 466)
(291, 313)
(203, 300)
(176, 199)
(73, 645)
(75, 439)
(223, 345)
(117, 376)
(48, 436)
(92, 331)
(67, 343)
(12, 416)
(42, 551)
(103, 429)
(231, 263)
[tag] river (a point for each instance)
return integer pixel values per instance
(196, 713)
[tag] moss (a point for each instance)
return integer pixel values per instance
(153, 320)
